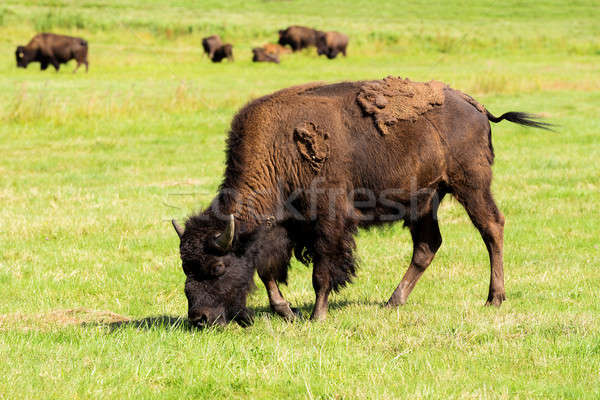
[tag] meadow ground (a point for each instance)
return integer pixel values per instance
(93, 167)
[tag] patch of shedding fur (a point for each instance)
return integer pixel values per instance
(395, 99)
(312, 144)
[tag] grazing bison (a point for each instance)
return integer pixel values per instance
(298, 37)
(259, 54)
(331, 44)
(309, 164)
(224, 51)
(52, 49)
(210, 44)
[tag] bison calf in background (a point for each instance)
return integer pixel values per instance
(298, 37)
(276, 49)
(331, 44)
(210, 44)
(224, 51)
(52, 49)
(260, 55)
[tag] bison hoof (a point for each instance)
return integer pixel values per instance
(286, 312)
(495, 300)
(297, 313)
(245, 318)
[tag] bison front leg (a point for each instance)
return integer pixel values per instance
(273, 255)
(277, 302)
(279, 305)
(54, 62)
(334, 263)
(427, 240)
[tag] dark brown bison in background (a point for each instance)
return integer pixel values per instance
(331, 44)
(298, 37)
(210, 44)
(224, 51)
(309, 164)
(52, 49)
(259, 54)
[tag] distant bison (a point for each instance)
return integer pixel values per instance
(48, 48)
(276, 49)
(210, 44)
(298, 37)
(331, 44)
(261, 55)
(224, 51)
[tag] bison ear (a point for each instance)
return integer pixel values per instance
(178, 228)
(281, 32)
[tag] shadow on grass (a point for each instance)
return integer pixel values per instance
(306, 308)
(169, 322)
(158, 322)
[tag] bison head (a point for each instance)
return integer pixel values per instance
(283, 38)
(218, 276)
(22, 56)
(322, 47)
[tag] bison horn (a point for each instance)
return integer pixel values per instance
(224, 240)
(178, 228)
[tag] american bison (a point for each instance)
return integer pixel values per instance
(298, 37)
(224, 51)
(309, 164)
(259, 54)
(210, 44)
(331, 44)
(52, 49)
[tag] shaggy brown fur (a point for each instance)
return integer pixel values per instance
(298, 37)
(259, 54)
(306, 166)
(52, 49)
(210, 44)
(331, 44)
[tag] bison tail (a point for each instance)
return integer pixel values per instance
(521, 118)
(84, 43)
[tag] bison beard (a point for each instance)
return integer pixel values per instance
(308, 165)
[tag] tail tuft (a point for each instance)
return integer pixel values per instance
(522, 118)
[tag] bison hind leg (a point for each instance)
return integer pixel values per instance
(488, 219)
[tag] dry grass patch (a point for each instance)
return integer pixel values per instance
(58, 318)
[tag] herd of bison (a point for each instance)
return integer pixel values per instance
(308, 165)
(51, 49)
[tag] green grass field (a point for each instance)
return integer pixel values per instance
(93, 167)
